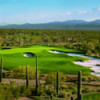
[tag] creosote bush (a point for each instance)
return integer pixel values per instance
(51, 78)
(49, 91)
(88, 89)
(20, 72)
(63, 86)
(84, 78)
(12, 92)
(64, 94)
(72, 89)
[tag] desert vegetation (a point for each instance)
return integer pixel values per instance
(88, 41)
(55, 85)
(48, 76)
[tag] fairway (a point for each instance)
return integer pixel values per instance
(95, 96)
(47, 61)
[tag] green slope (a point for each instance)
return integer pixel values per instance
(48, 62)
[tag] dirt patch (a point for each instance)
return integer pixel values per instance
(24, 98)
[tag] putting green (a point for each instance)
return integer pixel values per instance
(47, 61)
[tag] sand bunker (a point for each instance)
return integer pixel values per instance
(94, 63)
(28, 54)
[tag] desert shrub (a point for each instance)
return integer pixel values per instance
(20, 72)
(41, 91)
(63, 78)
(51, 78)
(87, 90)
(72, 89)
(98, 90)
(8, 92)
(13, 92)
(62, 94)
(84, 78)
(49, 91)
(63, 86)
(23, 91)
(92, 78)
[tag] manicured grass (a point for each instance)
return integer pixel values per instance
(47, 62)
(95, 96)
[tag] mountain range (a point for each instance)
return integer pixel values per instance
(65, 25)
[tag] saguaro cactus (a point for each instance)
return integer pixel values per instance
(57, 87)
(27, 78)
(36, 74)
(79, 97)
(72, 98)
(1, 69)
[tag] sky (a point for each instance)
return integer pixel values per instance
(44, 11)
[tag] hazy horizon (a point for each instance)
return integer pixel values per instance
(49, 22)
(35, 11)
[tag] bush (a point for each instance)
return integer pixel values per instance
(62, 94)
(8, 92)
(49, 91)
(87, 90)
(41, 91)
(84, 78)
(51, 78)
(63, 86)
(73, 89)
(20, 72)
(98, 90)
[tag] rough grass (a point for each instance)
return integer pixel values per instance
(47, 62)
(95, 96)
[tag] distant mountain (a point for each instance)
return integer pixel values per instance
(66, 25)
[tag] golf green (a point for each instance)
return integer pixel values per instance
(47, 61)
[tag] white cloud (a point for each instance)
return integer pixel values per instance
(68, 13)
(44, 15)
(99, 8)
(81, 11)
(84, 11)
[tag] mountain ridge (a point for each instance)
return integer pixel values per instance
(66, 25)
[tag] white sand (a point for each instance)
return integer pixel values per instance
(55, 51)
(28, 55)
(91, 63)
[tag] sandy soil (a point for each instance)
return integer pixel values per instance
(24, 98)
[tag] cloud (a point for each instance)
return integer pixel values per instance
(81, 11)
(44, 15)
(99, 8)
(68, 13)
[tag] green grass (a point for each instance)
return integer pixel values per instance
(47, 62)
(95, 96)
